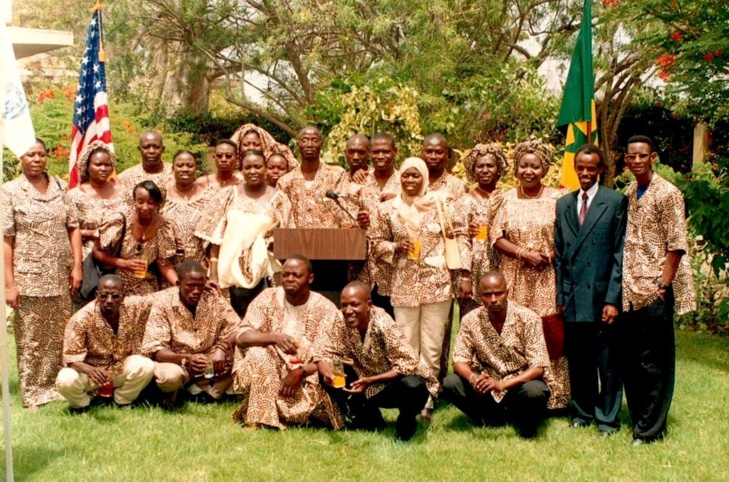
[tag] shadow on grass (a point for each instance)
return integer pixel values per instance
(29, 460)
(710, 351)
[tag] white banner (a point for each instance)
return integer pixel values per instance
(19, 135)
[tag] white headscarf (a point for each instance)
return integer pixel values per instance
(411, 209)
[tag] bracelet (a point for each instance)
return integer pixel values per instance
(470, 379)
(213, 260)
(519, 251)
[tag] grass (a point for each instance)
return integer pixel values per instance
(200, 443)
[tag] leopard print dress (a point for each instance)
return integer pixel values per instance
(42, 261)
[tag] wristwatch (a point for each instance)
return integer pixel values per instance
(183, 363)
(661, 284)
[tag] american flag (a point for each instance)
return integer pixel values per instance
(91, 109)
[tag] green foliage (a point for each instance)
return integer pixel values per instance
(51, 108)
(693, 38)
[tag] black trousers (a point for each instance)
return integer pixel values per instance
(597, 390)
(524, 406)
(407, 394)
(382, 301)
(240, 298)
(648, 366)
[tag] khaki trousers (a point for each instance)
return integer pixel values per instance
(171, 377)
(136, 373)
(424, 327)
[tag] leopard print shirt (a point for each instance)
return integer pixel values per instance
(412, 282)
(90, 339)
(129, 178)
(310, 206)
(171, 325)
(160, 249)
(450, 184)
(92, 213)
(384, 348)
(39, 224)
(520, 345)
(185, 216)
(477, 255)
(260, 371)
(656, 225)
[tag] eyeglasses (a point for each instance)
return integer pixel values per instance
(632, 157)
(224, 156)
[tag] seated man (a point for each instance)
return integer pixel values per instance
(386, 371)
(98, 348)
(190, 335)
(280, 329)
(499, 360)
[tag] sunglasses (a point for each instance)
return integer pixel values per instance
(632, 157)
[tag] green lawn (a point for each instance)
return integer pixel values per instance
(200, 443)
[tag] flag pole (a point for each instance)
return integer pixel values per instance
(7, 429)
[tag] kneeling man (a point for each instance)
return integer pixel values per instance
(279, 333)
(98, 348)
(191, 336)
(499, 361)
(386, 371)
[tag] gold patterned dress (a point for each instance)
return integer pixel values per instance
(129, 178)
(529, 224)
(160, 249)
(42, 260)
(186, 215)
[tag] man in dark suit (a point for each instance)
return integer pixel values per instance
(589, 238)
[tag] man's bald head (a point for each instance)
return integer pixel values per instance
(310, 130)
(149, 135)
(493, 293)
(110, 280)
(357, 152)
(310, 144)
(360, 289)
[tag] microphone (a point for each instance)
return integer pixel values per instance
(335, 197)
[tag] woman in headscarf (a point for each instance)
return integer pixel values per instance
(42, 244)
(523, 234)
(474, 213)
(251, 137)
(140, 243)
(185, 204)
(237, 225)
(408, 234)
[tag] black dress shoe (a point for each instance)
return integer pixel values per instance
(405, 427)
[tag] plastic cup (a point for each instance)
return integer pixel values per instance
(415, 252)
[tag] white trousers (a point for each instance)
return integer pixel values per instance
(424, 327)
(136, 373)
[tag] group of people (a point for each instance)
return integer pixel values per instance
(565, 298)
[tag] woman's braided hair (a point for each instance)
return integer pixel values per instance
(479, 152)
(539, 148)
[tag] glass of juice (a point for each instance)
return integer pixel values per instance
(107, 389)
(415, 252)
(339, 376)
(141, 273)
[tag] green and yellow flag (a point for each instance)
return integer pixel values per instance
(578, 104)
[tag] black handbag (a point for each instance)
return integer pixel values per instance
(93, 271)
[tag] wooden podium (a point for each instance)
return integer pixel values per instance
(330, 244)
(331, 251)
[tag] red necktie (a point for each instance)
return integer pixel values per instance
(583, 209)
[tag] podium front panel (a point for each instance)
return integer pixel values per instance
(321, 244)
